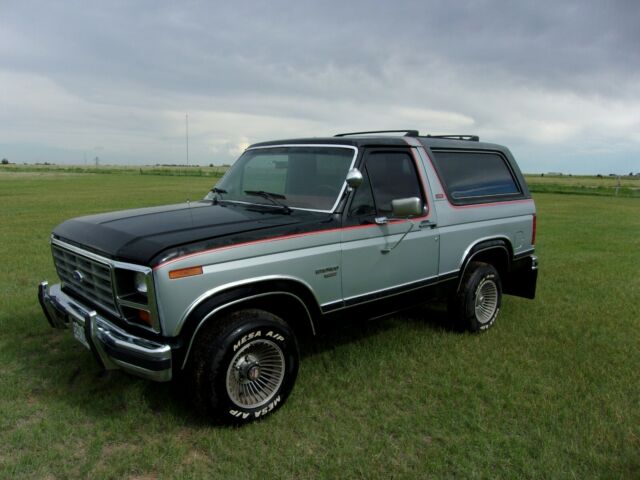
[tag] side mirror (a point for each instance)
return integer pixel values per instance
(406, 207)
(354, 178)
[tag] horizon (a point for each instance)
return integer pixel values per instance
(92, 165)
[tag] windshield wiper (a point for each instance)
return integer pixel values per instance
(219, 192)
(272, 197)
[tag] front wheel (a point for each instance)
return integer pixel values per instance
(243, 366)
(477, 303)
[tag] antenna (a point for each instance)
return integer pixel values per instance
(189, 208)
(187, 135)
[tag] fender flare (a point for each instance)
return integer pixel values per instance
(501, 244)
(207, 309)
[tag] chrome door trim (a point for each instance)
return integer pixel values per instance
(289, 145)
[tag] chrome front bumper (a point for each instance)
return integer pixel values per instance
(113, 347)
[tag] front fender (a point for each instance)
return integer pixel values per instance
(290, 293)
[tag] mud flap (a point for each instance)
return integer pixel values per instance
(523, 278)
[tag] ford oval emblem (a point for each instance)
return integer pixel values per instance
(77, 276)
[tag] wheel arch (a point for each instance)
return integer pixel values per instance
(288, 299)
(495, 251)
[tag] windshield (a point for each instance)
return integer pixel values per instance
(307, 177)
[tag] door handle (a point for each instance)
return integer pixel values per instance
(427, 223)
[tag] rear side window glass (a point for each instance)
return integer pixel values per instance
(471, 177)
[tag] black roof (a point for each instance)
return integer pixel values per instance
(388, 141)
(433, 142)
(355, 141)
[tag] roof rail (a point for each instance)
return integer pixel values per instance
(469, 138)
(407, 133)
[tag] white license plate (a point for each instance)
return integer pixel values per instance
(78, 332)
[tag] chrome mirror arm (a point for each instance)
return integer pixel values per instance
(388, 249)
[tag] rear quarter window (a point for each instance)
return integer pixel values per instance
(476, 176)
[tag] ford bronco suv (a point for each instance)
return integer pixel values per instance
(296, 233)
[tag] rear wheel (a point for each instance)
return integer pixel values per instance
(477, 303)
(243, 366)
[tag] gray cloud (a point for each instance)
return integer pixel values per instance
(541, 77)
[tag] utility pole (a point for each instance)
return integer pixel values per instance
(187, 136)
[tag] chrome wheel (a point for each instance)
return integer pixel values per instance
(486, 300)
(255, 373)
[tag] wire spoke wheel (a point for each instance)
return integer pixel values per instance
(486, 300)
(255, 373)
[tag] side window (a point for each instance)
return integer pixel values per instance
(393, 175)
(475, 177)
(363, 204)
(387, 176)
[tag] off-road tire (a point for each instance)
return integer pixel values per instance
(477, 303)
(213, 380)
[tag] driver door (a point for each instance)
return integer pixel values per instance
(368, 273)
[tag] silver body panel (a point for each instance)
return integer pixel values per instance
(366, 269)
(461, 227)
(295, 259)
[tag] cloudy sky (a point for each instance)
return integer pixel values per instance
(558, 82)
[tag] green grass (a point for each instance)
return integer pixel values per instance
(192, 171)
(585, 185)
(552, 391)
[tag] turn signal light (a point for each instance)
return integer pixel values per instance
(185, 272)
(144, 317)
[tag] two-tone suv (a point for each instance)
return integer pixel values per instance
(296, 232)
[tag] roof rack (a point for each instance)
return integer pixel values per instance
(469, 138)
(407, 133)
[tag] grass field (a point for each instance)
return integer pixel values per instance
(175, 171)
(625, 186)
(552, 391)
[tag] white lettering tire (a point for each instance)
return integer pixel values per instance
(244, 366)
(477, 303)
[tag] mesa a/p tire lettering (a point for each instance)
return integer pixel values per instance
(244, 366)
(251, 335)
(259, 413)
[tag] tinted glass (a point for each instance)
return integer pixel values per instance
(392, 176)
(307, 177)
(266, 172)
(363, 204)
(471, 175)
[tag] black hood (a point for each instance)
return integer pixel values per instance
(141, 235)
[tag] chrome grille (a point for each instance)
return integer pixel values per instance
(86, 277)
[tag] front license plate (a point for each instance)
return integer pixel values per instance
(78, 332)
